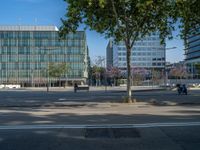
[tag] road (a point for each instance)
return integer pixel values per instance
(96, 120)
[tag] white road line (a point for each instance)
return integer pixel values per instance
(146, 125)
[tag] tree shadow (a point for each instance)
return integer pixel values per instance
(15, 116)
(61, 139)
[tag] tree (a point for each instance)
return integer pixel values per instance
(98, 70)
(156, 76)
(100, 61)
(57, 70)
(197, 70)
(188, 13)
(127, 20)
(179, 72)
(97, 74)
(138, 75)
(115, 73)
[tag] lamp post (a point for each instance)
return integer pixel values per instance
(165, 72)
(48, 59)
(101, 60)
(32, 77)
(104, 60)
(48, 76)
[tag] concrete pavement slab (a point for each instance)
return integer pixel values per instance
(74, 139)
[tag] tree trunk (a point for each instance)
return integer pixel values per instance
(129, 94)
(59, 82)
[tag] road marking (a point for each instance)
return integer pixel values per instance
(146, 125)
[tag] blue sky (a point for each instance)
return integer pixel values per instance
(49, 12)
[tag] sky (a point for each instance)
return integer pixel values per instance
(49, 12)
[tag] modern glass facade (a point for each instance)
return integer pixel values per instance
(192, 53)
(146, 53)
(26, 51)
(192, 50)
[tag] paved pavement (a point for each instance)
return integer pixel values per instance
(27, 123)
(162, 138)
(28, 98)
(97, 88)
(103, 113)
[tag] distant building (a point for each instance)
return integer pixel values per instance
(147, 53)
(109, 54)
(26, 51)
(192, 53)
(178, 69)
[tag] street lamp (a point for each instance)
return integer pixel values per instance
(169, 48)
(48, 54)
(32, 77)
(165, 72)
(101, 60)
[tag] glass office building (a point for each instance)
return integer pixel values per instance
(192, 53)
(27, 51)
(146, 53)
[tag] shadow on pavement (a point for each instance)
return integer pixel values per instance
(43, 99)
(27, 117)
(62, 139)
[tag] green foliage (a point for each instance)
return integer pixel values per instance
(189, 14)
(197, 67)
(57, 70)
(97, 72)
(121, 19)
(131, 20)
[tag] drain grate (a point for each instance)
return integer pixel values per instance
(111, 133)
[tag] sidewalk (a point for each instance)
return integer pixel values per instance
(62, 98)
(104, 113)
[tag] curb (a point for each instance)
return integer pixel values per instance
(163, 103)
(42, 106)
(74, 105)
(142, 90)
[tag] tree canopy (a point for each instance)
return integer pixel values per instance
(113, 17)
(131, 20)
(189, 14)
(57, 70)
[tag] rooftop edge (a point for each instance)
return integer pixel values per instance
(27, 28)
